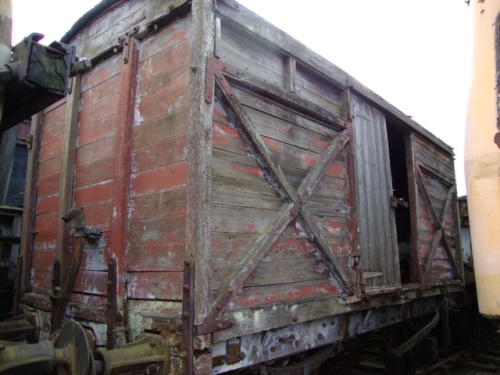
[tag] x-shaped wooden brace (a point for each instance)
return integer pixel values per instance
(295, 205)
(439, 234)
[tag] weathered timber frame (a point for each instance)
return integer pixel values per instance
(26, 249)
(294, 199)
(123, 160)
(438, 223)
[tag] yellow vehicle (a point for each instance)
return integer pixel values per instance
(482, 155)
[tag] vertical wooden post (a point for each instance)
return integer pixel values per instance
(290, 73)
(200, 154)
(121, 181)
(66, 179)
(30, 201)
(351, 201)
(415, 262)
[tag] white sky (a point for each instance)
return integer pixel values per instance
(414, 53)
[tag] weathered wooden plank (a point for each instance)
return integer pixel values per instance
(101, 91)
(230, 246)
(313, 87)
(168, 177)
(230, 165)
(434, 163)
(292, 156)
(145, 133)
(290, 73)
(235, 219)
(167, 59)
(93, 173)
(51, 150)
(91, 132)
(52, 133)
(90, 194)
(288, 116)
(286, 132)
(227, 138)
(102, 72)
(158, 204)
(165, 286)
(54, 115)
(329, 187)
(235, 192)
(46, 204)
(283, 271)
(48, 185)
(256, 58)
(169, 151)
(327, 206)
(43, 258)
(91, 282)
(46, 222)
(101, 110)
(255, 84)
(163, 81)
(175, 32)
(163, 105)
(66, 181)
(153, 258)
(284, 294)
(99, 215)
(50, 167)
(159, 231)
(101, 149)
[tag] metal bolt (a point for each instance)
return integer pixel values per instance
(295, 319)
(272, 349)
(296, 343)
(320, 336)
(186, 287)
(185, 314)
(152, 343)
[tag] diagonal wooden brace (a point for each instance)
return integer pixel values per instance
(294, 207)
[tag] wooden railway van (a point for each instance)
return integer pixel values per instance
(241, 196)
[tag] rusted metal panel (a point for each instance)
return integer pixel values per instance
(376, 225)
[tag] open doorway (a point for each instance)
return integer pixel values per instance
(398, 140)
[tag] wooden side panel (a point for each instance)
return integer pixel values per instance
(244, 202)
(47, 203)
(376, 223)
(436, 208)
(94, 163)
(157, 207)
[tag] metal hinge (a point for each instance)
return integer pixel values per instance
(124, 42)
